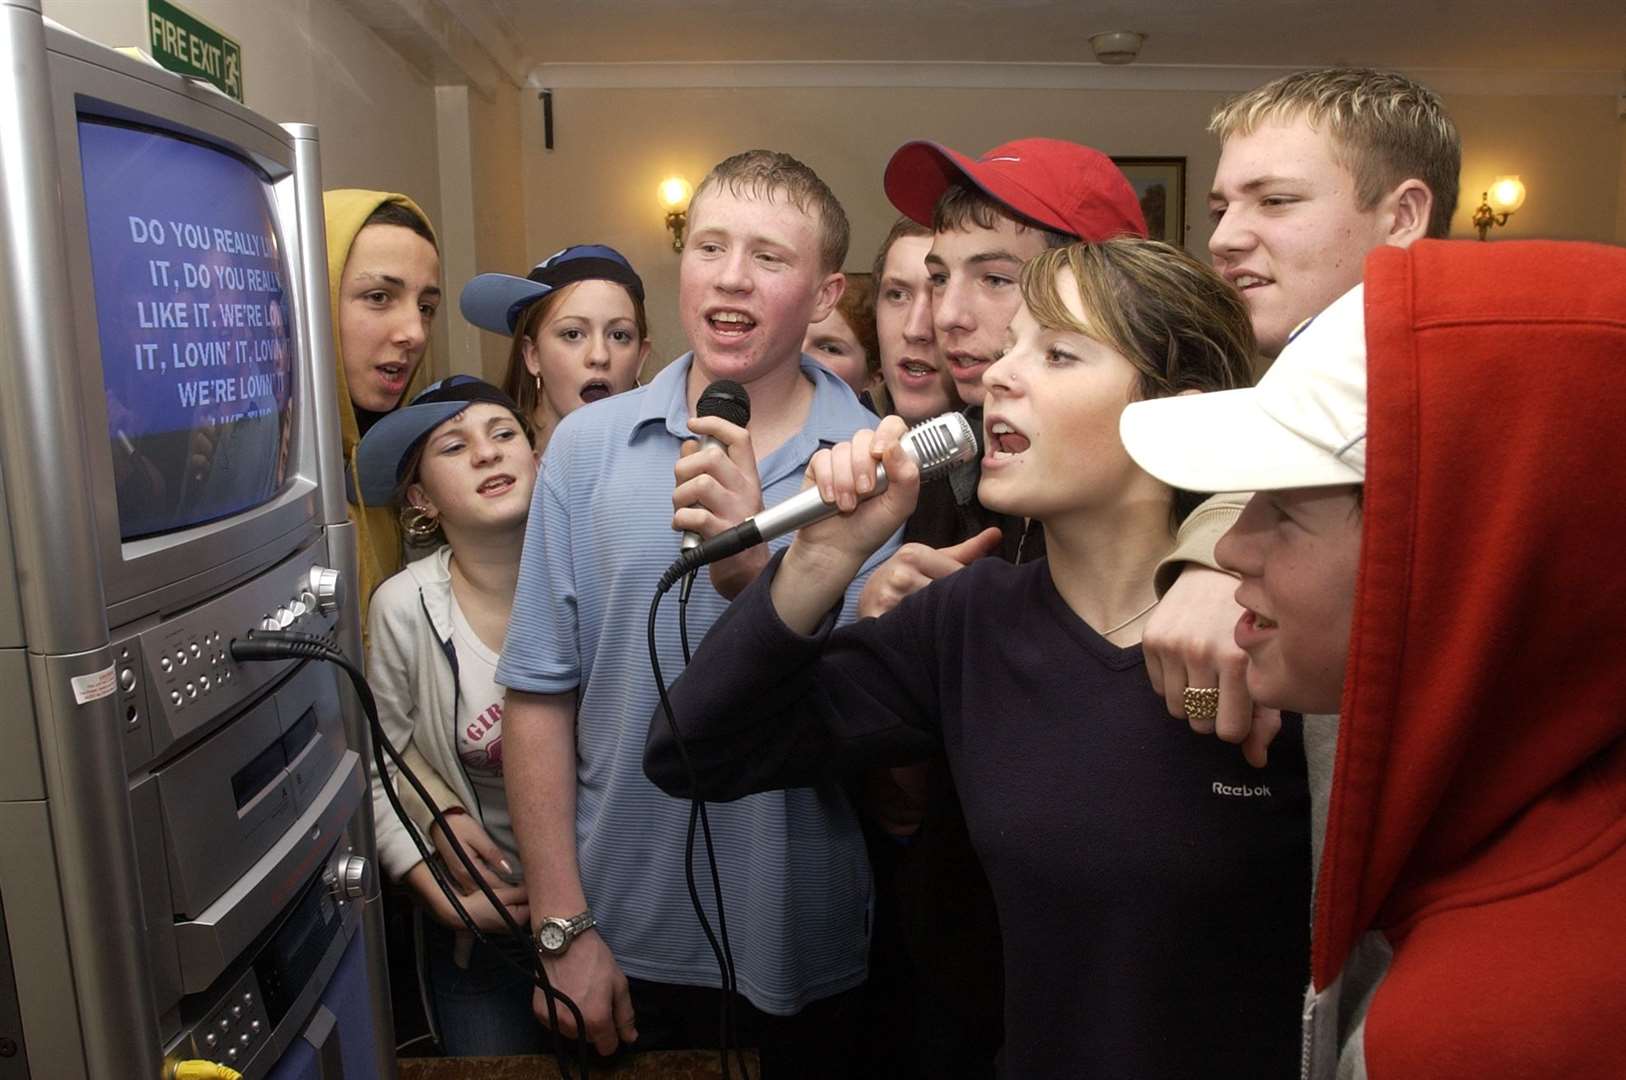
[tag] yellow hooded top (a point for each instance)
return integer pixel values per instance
(378, 529)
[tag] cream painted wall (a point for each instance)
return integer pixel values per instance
(613, 146)
(311, 61)
(499, 220)
(1568, 152)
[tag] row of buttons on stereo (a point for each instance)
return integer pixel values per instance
(211, 1040)
(318, 595)
(185, 655)
(202, 685)
(289, 613)
(209, 652)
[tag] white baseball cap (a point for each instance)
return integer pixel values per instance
(1303, 425)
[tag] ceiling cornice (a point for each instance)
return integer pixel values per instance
(1031, 76)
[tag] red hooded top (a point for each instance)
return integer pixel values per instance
(1477, 819)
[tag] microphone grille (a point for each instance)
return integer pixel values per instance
(940, 443)
(727, 399)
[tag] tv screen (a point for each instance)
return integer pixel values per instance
(196, 333)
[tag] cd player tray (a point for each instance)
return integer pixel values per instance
(209, 943)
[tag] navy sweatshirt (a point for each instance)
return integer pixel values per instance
(1153, 888)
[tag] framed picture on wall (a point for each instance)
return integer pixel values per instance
(1161, 184)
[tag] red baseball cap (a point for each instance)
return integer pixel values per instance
(1064, 186)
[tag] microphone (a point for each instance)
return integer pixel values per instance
(727, 399)
(936, 446)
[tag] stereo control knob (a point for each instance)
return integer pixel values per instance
(328, 589)
(269, 623)
(349, 877)
(284, 618)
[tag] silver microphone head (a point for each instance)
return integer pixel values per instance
(939, 444)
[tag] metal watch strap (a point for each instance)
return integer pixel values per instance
(570, 929)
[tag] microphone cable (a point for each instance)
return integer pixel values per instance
(697, 813)
(276, 645)
(729, 1034)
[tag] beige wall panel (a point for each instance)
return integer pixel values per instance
(613, 146)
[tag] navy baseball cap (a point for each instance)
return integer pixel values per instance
(384, 450)
(496, 301)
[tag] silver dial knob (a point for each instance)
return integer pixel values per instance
(350, 877)
(284, 617)
(327, 587)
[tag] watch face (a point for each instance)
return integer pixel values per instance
(551, 936)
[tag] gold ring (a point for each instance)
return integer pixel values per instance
(1202, 703)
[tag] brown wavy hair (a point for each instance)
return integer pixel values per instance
(1176, 321)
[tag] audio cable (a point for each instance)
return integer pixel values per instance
(277, 645)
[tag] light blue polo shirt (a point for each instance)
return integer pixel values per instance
(796, 881)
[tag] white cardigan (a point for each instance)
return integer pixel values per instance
(412, 668)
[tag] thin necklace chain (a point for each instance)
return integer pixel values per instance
(1132, 618)
(1023, 539)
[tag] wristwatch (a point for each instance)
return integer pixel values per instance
(554, 935)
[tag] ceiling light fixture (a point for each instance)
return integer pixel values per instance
(1116, 46)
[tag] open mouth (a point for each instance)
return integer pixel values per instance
(497, 485)
(595, 390)
(1244, 282)
(1258, 621)
(916, 370)
(393, 375)
(1005, 441)
(730, 323)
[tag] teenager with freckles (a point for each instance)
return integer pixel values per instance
(604, 849)
(1433, 554)
(1150, 884)
(578, 328)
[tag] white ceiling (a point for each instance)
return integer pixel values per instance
(1562, 35)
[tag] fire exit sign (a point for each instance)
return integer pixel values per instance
(184, 43)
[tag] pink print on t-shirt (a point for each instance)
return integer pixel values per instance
(480, 743)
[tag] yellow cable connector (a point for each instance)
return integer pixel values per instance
(198, 1069)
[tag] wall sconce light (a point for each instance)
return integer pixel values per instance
(1506, 195)
(675, 193)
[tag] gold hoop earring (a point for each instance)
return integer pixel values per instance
(419, 525)
(538, 379)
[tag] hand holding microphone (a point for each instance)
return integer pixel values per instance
(727, 400)
(842, 476)
(861, 493)
(871, 483)
(717, 483)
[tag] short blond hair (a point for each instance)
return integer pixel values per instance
(762, 174)
(1386, 129)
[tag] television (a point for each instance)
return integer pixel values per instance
(192, 240)
(193, 327)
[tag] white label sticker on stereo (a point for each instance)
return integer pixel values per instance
(92, 687)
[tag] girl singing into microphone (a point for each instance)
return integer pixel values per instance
(1151, 886)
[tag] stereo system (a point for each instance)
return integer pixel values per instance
(185, 839)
